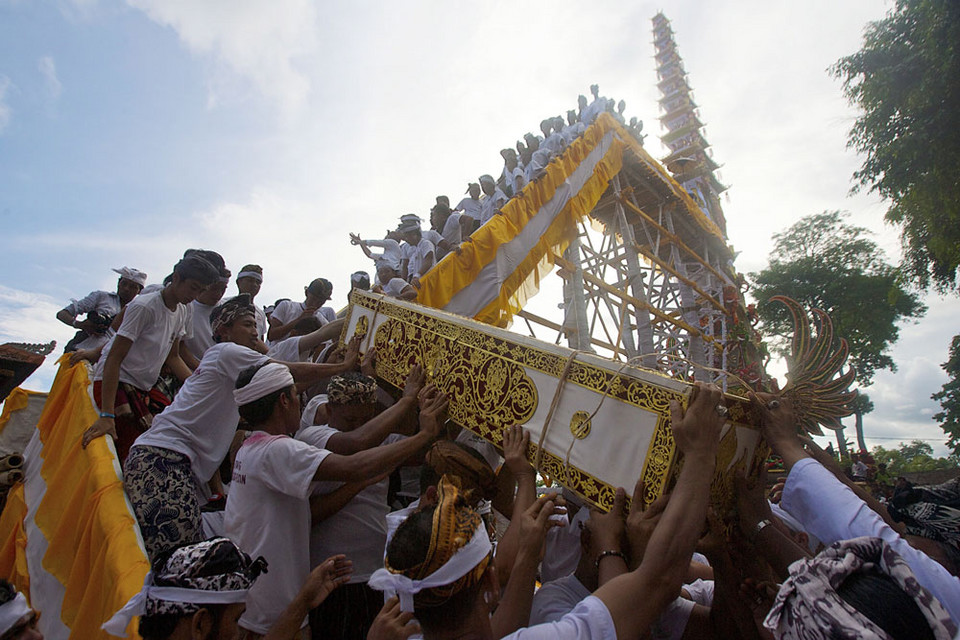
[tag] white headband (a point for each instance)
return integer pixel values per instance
(250, 274)
(137, 605)
(269, 378)
(12, 611)
(468, 557)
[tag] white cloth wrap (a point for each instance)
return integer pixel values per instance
(250, 274)
(12, 611)
(269, 378)
(137, 605)
(134, 275)
(468, 557)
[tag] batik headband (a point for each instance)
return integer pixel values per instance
(12, 611)
(215, 571)
(351, 389)
(231, 311)
(268, 378)
(808, 606)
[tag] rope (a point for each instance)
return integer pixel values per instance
(553, 407)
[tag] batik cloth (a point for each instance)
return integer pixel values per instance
(808, 606)
(134, 409)
(163, 493)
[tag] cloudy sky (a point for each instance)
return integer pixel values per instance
(268, 130)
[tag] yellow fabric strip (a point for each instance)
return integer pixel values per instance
(524, 282)
(455, 272)
(16, 401)
(13, 541)
(93, 547)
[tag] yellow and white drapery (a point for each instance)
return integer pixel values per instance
(500, 267)
(68, 536)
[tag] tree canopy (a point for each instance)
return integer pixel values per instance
(949, 398)
(915, 456)
(906, 82)
(822, 262)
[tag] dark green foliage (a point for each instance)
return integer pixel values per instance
(906, 82)
(949, 399)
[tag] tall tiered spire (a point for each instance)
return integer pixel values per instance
(688, 161)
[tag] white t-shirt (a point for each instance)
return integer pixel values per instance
(490, 204)
(589, 620)
(288, 310)
(359, 529)
(451, 229)
(469, 207)
(395, 287)
(105, 302)
(435, 238)
(268, 514)
(203, 418)
(201, 337)
(557, 598)
(153, 328)
(563, 548)
(416, 255)
(391, 254)
(286, 350)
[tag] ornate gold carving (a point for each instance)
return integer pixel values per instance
(363, 325)
(580, 424)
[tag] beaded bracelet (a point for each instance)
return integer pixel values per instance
(605, 554)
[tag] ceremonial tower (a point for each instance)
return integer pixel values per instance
(689, 161)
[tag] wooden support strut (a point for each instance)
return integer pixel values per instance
(693, 285)
(672, 237)
(592, 279)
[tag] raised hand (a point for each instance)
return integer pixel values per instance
(416, 380)
(697, 430)
(641, 521)
(515, 443)
(327, 576)
(433, 411)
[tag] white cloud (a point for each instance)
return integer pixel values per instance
(258, 41)
(6, 113)
(26, 316)
(48, 69)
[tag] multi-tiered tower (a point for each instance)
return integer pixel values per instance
(689, 161)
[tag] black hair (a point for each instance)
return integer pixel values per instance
(258, 411)
(307, 325)
(252, 267)
(7, 591)
(879, 598)
(408, 548)
(212, 257)
(162, 626)
(196, 268)
(321, 287)
(429, 476)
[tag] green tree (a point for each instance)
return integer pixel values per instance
(822, 262)
(949, 399)
(906, 82)
(915, 456)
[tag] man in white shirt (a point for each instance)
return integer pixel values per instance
(148, 338)
(392, 254)
(390, 284)
(574, 128)
(512, 177)
(200, 339)
(307, 335)
(249, 281)
(171, 463)
(268, 512)
(419, 252)
(100, 308)
(359, 528)
(470, 206)
(495, 198)
(452, 227)
(288, 312)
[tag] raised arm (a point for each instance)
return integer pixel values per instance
(660, 575)
(515, 443)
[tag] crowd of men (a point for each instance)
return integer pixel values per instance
(282, 492)
(406, 253)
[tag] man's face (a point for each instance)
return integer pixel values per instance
(474, 191)
(248, 285)
(213, 293)
(187, 290)
(384, 274)
(412, 237)
(347, 417)
(127, 290)
(488, 187)
(292, 413)
(228, 629)
(242, 331)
